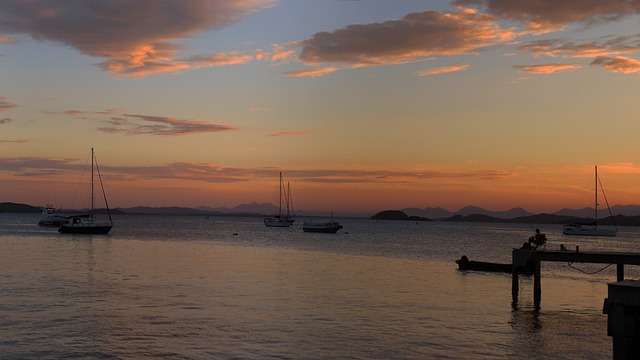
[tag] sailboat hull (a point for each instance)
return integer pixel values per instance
(587, 230)
(277, 222)
(328, 227)
(93, 229)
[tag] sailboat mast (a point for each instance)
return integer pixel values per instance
(596, 215)
(289, 201)
(280, 198)
(92, 199)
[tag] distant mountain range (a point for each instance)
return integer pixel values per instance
(262, 209)
(440, 213)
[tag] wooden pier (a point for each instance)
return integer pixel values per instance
(531, 260)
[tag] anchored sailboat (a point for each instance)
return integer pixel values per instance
(281, 220)
(592, 229)
(86, 224)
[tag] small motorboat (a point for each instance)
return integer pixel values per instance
(465, 264)
(52, 218)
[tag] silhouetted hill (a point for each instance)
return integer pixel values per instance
(509, 214)
(390, 215)
(473, 218)
(440, 213)
(9, 207)
(171, 210)
(546, 219)
(396, 215)
(252, 208)
(431, 213)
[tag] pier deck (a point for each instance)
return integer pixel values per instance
(531, 259)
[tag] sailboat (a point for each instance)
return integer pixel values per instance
(320, 226)
(592, 229)
(280, 220)
(86, 224)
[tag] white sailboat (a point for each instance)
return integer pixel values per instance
(86, 224)
(281, 220)
(592, 229)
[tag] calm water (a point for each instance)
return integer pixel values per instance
(230, 288)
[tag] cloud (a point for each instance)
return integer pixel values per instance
(546, 68)
(158, 125)
(75, 113)
(5, 120)
(609, 46)
(619, 64)
(37, 166)
(4, 39)
(5, 105)
(442, 70)
(17, 141)
(219, 59)
(412, 38)
(208, 172)
(550, 15)
(287, 133)
(134, 37)
(312, 72)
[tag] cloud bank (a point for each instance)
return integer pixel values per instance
(412, 38)
(135, 38)
(208, 172)
(551, 15)
(130, 124)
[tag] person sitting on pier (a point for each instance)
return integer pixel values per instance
(538, 239)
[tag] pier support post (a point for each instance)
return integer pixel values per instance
(537, 287)
(514, 284)
(620, 271)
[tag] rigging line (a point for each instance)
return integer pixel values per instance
(586, 272)
(606, 201)
(104, 195)
(75, 200)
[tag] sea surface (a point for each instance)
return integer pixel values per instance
(191, 287)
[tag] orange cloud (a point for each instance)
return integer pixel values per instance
(442, 70)
(592, 49)
(412, 38)
(219, 59)
(619, 64)
(550, 15)
(312, 72)
(8, 39)
(287, 133)
(546, 68)
(136, 38)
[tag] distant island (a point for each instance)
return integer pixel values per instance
(397, 215)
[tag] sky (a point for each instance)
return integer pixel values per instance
(363, 105)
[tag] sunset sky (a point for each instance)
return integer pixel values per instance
(363, 105)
